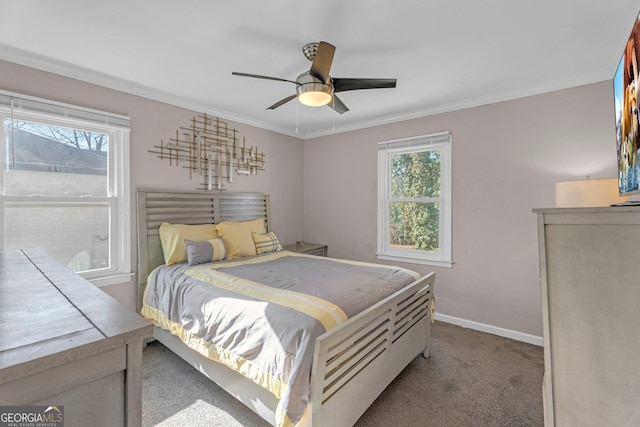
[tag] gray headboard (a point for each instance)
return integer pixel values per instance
(156, 207)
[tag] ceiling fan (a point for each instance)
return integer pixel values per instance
(316, 87)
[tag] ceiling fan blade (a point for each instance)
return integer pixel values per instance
(322, 61)
(341, 85)
(257, 76)
(282, 101)
(337, 105)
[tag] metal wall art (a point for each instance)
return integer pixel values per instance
(212, 150)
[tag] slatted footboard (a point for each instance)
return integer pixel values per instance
(353, 363)
(356, 361)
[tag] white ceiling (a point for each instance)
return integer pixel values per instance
(446, 55)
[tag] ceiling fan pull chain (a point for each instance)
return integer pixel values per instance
(333, 102)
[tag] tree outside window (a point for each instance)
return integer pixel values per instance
(414, 195)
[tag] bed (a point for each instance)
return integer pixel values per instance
(352, 362)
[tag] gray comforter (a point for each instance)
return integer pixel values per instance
(260, 316)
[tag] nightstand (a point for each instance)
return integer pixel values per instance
(308, 248)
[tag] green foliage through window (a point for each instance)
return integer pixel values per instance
(414, 223)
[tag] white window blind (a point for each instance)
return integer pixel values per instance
(64, 186)
(21, 103)
(416, 142)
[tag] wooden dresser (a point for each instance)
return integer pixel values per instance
(590, 278)
(65, 342)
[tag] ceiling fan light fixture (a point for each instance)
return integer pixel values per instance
(314, 94)
(316, 87)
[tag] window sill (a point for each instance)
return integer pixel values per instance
(435, 263)
(116, 279)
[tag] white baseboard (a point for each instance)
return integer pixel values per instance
(501, 332)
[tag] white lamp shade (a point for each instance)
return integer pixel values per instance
(588, 193)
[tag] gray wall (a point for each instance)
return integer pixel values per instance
(152, 121)
(506, 159)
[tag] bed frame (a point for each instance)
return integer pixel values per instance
(353, 363)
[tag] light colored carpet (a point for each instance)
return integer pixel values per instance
(472, 379)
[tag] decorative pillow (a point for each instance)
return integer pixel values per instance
(205, 251)
(172, 238)
(237, 236)
(267, 242)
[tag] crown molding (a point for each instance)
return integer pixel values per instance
(46, 64)
(42, 63)
(456, 106)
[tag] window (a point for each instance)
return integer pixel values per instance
(64, 186)
(414, 200)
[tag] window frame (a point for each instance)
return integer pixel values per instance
(118, 177)
(441, 142)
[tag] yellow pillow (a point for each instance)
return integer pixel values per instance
(266, 242)
(172, 239)
(237, 236)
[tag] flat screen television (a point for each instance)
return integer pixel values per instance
(626, 86)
